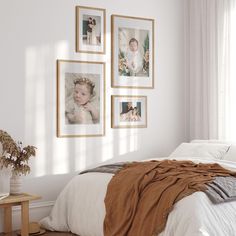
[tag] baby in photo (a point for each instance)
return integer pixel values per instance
(133, 57)
(82, 107)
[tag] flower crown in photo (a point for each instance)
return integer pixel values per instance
(84, 81)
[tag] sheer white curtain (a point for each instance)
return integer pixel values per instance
(227, 72)
(210, 74)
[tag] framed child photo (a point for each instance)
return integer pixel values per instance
(90, 30)
(128, 111)
(80, 98)
(132, 64)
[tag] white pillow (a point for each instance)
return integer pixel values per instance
(211, 141)
(231, 154)
(201, 150)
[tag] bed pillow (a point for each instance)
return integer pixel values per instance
(201, 150)
(231, 154)
(211, 141)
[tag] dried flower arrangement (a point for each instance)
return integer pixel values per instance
(14, 155)
(146, 55)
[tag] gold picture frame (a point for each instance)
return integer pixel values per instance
(90, 28)
(128, 111)
(132, 52)
(80, 98)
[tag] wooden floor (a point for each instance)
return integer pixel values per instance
(46, 234)
(58, 233)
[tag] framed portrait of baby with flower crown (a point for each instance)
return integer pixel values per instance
(132, 62)
(80, 98)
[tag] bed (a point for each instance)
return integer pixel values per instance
(80, 206)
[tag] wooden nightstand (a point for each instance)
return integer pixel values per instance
(14, 200)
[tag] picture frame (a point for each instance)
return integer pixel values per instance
(132, 58)
(128, 111)
(80, 98)
(90, 30)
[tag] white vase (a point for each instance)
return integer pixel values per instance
(15, 184)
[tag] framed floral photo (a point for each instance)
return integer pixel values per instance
(80, 98)
(128, 111)
(90, 30)
(132, 63)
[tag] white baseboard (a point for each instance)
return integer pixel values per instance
(37, 211)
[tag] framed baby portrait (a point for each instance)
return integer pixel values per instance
(128, 111)
(132, 64)
(80, 98)
(90, 30)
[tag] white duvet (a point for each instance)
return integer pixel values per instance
(80, 209)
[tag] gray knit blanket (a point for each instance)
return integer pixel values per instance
(222, 189)
(111, 168)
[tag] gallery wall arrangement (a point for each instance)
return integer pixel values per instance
(81, 84)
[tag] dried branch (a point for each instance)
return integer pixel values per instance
(13, 155)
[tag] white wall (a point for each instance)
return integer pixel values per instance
(36, 33)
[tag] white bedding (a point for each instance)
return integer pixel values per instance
(80, 209)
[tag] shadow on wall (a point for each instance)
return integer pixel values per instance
(36, 184)
(59, 159)
(53, 184)
(66, 155)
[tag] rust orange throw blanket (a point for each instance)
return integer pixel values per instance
(141, 195)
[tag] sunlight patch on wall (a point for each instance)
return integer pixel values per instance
(133, 140)
(40, 108)
(60, 163)
(60, 157)
(128, 141)
(80, 159)
(63, 155)
(107, 152)
(61, 50)
(35, 103)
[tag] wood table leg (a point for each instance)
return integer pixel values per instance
(25, 218)
(7, 219)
